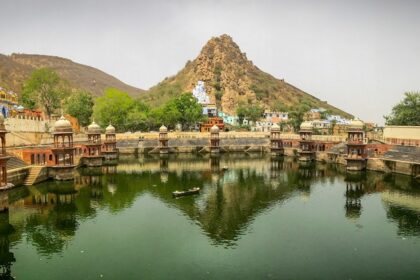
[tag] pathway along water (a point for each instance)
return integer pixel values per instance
(262, 218)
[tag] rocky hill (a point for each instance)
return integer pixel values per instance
(16, 68)
(231, 79)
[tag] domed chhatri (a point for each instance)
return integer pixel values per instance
(110, 129)
(276, 143)
(275, 127)
(214, 129)
(163, 140)
(306, 144)
(356, 124)
(63, 125)
(110, 146)
(94, 128)
(214, 139)
(163, 129)
(306, 125)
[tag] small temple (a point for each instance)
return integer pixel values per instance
(63, 151)
(92, 153)
(109, 148)
(209, 108)
(306, 143)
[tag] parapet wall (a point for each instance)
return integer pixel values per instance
(27, 124)
(192, 143)
(22, 139)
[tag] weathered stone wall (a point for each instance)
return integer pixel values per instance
(21, 139)
(17, 176)
(27, 124)
(377, 164)
(198, 144)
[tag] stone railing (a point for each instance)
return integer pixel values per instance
(190, 135)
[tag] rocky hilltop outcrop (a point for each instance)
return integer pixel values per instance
(16, 68)
(232, 79)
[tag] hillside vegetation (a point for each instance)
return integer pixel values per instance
(231, 79)
(17, 68)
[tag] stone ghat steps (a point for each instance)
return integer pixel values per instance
(15, 162)
(33, 175)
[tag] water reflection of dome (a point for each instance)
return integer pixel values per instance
(353, 210)
(215, 178)
(164, 177)
(112, 188)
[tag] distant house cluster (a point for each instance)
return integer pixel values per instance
(322, 121)
(8, 102)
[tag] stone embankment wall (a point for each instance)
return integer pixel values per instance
(193, 142)
(23, 139)
(18, 175)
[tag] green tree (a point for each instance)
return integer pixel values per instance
(44, 89)
(80, 105)
(113, 107)
(190, 112)
(241, 113)
(251, 112)
(407, 112)
(296, 115)
(255, 112)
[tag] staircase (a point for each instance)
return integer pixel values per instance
(33, 175)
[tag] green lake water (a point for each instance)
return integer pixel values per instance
(262, 218)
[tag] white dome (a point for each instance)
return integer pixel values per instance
(306, 125)
(110, 129)
(63, 125)
(356, 124)
(275, 127)
(94, 128)
(163, 129)
(214, 129)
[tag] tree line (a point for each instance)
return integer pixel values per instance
(45, 90)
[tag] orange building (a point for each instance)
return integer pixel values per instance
(217, 121)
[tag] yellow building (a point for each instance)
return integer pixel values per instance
(402, 135)
(8, 101)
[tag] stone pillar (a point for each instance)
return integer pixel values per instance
(307, 145)
(163, 140)
(3, 155)
(214, 140)
(93, 157)
(276, 143)
(63, 151)
(109, 150)
(356, 157)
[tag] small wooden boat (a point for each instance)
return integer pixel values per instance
(186, 192)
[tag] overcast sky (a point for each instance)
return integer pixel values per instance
(358, 55)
